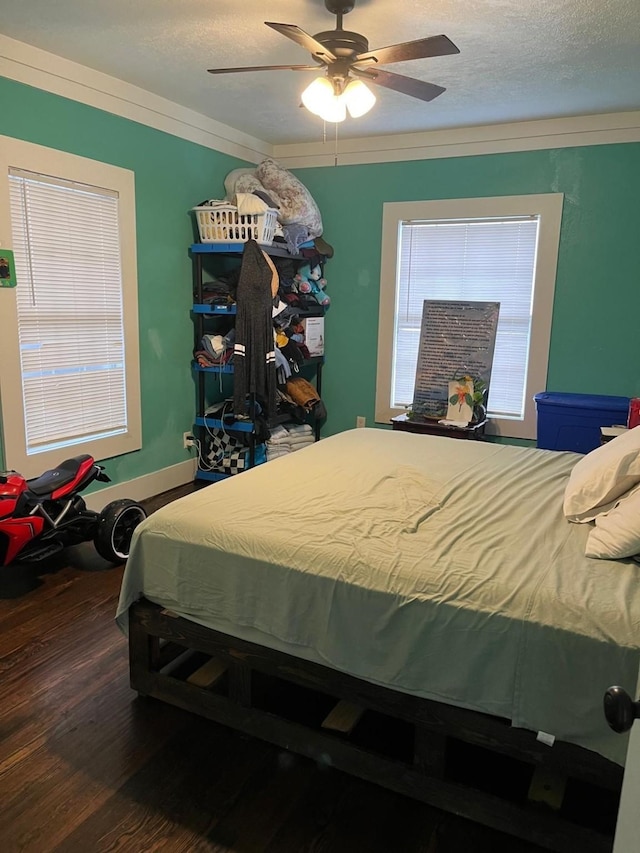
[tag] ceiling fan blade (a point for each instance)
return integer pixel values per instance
(419, 49)
(291, 31)
(265, 68)
(407, 85)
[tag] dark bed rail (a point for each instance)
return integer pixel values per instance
(252, 689)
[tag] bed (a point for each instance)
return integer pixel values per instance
(433, 582)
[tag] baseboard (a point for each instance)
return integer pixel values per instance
(143, 487)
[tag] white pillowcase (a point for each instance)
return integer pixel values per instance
(297, 205)
(617, 533)
(232, 179)
(603, 476)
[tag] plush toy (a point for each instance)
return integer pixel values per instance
(309, 280)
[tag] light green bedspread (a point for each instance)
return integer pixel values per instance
(438, 567)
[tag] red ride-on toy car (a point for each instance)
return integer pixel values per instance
(42, 516)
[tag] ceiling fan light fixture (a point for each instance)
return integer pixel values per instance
(358, 98)
(338, 53)
(334, 110)
(317, 95)
(320, 99)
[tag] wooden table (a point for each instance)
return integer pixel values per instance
(432, 427)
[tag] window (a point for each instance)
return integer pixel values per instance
(499, 250)
(70, 380)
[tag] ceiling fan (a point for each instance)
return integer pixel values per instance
(341, 53)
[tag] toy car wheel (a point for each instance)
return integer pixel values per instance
(116, 524)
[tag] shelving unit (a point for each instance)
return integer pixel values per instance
(202, 313)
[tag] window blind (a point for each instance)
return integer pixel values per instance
(479, 260)
(70, 313)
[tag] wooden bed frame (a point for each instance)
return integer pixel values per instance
(423, 749)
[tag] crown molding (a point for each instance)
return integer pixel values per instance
(34, 67)
(467, 141)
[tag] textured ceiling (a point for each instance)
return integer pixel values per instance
(517, 61)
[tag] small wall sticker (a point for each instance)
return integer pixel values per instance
(7, 268)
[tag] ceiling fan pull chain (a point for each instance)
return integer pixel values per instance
(335, 156)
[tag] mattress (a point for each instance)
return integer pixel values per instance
(440, 568)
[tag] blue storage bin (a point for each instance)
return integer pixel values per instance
(573, 421)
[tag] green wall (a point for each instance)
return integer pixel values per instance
(594, 342)
(597, 301)
(171, 176)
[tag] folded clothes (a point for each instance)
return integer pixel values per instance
(292, 439)
(205, 359)
(279, 443)
(299, 429)
(248, 204)
(297, 441)
(273, 450)
(275, 454)
(214, 202)
(287, 438)
(279, 433)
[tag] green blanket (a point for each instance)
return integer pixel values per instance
(440, 568)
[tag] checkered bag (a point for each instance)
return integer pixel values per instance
(228, 454)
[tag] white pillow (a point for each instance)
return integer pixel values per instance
(617, 532)
(603, 476)
(297, 205)
(232, 179)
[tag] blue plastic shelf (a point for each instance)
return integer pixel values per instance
(215, 368)
(212, 476)
(238, 249)
(198, 308)
(216, 423)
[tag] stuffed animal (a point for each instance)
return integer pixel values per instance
(309, 280)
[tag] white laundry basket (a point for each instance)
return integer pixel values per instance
(223, 224)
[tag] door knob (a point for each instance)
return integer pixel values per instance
(620, 709)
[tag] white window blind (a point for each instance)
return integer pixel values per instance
(70, 310)
(480, 260)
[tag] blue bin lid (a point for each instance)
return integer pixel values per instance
(582, 401)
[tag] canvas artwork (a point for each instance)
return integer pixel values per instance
(457, 339)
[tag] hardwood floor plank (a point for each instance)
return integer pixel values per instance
(340, 814)
(82, 601)
(100, 745)
(177, 797)
(40, 690)
(30, 721)
(268, 799)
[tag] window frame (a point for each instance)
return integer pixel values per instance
(548, 207)
(30, 157)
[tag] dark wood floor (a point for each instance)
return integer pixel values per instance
(87, 766)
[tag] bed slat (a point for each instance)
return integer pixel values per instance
(343, 717)
(548, 787)
(208, 674)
